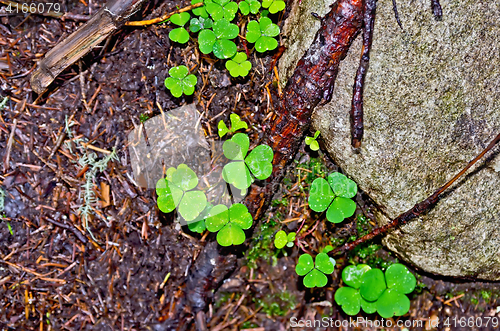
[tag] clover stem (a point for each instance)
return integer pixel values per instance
(299, 243)
(418, 209)
(310, 231)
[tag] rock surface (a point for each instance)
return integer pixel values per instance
(432, 103)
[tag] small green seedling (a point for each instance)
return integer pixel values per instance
(220, 9)
(238, 65)
(282, 239)
(236, 124)
(261, 33)
(218, 41)
(249, 6)
(273, 6)
(333, 195)
(200, 23)
(180, 81)
(176, 190)
(312, 142)
(371, 290)
(179, 34)
(230, 223)
(258, 161)
(200, 11)
(315, 273)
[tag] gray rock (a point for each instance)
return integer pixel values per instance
(431, 105)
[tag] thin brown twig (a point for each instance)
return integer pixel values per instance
(164, 17)
(418, 209)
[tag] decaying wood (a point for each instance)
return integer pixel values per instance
(419, 208)
(107, 20)
(312, 82)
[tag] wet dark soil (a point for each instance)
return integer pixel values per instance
(142, 271)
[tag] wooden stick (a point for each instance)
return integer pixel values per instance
(107, 20)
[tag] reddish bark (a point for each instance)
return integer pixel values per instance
(311, 83)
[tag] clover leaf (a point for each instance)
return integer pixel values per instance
(281, 239)
(180, 34)
(273, 6)
(315, 272)
(249, 6)
(372, 291)
(180, 82)
(220, 9)
(200, 11)
(333, 195)
(238, 65)
(258, 161)
(217, 41)
(230, 223)
(261, 33)
(236, 124)
(197, 24)
(312, 142)
(176, 191)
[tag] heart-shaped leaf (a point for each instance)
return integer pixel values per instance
(351, 275)
(224, 29)
(237, 174)
(304, 264)
(259, 161)
(268, 28)
(180, 18)
(315, 278)
(231, 234)
(192, 204)
(179, 35)
(197, 227)
(236, 122)
(400, 278)
(206, 41)
(238, 214)
(339, 209)
(324, 264)
(200, 11)
(265, 44)
(184, 178)
(372, 284)
(218, 216)
(222, 129)
(169, 195)
(349, 299)
(224, 49)
(368, 307)
(280, 240)
(341, 185)
(320, 195)
(392, 303)
(253, 31)
(236, 148)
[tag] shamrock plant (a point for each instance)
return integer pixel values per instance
(180, 81)
(249, 6)
(218, 40)
(334, 196)
(258, 161)
(176, 190)
(371, 290)
(238, 65)
(198, 23)
(229, 223)
(220, 9)
(312, 142)
(273, 6)
(281, 239)
(315, 273)
(236, 124)
(262, 33)
(179, 34)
